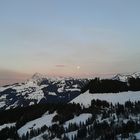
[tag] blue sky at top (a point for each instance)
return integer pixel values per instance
(55, 36)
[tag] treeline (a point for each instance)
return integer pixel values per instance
(111, 86)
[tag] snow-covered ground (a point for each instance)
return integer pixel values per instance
(52, 93)
(70, 134)
(7, 125)
(137, 136)
(86, 98)
(2, 104)
(46, 119)
(77, 119)
(39, 137)
(75, 89)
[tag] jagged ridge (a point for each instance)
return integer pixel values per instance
(40, 89)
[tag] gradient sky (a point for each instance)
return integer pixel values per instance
(69, 37)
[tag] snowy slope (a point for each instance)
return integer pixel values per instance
(46, 119)
(71, 134)
(86, 98)
(7, 125)
(40, 89)
(77, 119)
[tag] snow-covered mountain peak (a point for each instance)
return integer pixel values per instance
(136, 75)
(125, 77)
(40, 89)
(37, 76)
(121, 77)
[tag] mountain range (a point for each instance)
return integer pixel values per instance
(40, 89)
(25, 115)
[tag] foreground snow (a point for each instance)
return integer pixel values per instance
(86, 98)
(137, 136)
(77, 120)
(37, 123)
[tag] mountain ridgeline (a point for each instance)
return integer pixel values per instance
(116, 84)
(41, 90)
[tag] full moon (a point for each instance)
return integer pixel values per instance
(78, 67)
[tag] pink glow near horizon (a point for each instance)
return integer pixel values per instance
(61, 38)
(19, 77)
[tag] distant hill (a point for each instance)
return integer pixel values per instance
(40, 89)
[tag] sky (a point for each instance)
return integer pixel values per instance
(69, 37)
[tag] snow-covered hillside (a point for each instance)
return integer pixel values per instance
(40, 89)
(7, 125)
(114, 98)
(73, 121)
(78, 119)
(46, 119)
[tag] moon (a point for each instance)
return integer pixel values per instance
(78, 67)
